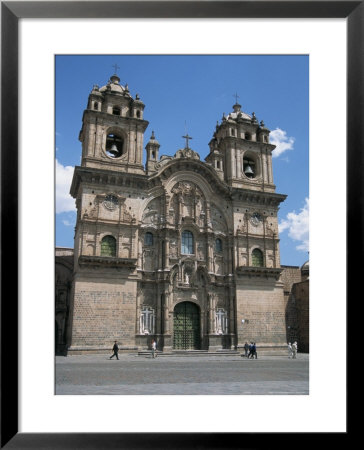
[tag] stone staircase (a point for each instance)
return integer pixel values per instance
(191, 353)
(263, 351)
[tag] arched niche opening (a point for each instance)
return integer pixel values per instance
(114, 145)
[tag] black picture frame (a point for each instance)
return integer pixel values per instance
(11, 12)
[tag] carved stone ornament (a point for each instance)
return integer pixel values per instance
(187, 153)
(110, 202)
(256, 219)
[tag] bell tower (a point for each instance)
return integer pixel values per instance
(241, 152)
(113, 129)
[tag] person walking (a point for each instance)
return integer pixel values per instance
(254, 351)
(115, 350)
(246, 348)
(154, 349)
(294, 350)
(250, 348)
(290, 351)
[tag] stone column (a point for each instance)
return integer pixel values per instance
(166, 314)
(270, 168)
(238, 163)
(212, 328)
(233, 163)
(138, 309)
(210, 255)
(264, 167)
(166, 252)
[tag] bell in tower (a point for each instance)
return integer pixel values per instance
(114, 146)
(248, 170)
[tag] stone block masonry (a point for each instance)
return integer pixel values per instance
(262, 308)
(103, 313)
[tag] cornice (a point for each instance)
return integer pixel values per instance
(259, 272)
(102, 261)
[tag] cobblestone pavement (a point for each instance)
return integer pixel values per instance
(182, 375)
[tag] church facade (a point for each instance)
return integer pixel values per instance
(180, 250)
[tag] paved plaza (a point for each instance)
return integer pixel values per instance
(182, 375)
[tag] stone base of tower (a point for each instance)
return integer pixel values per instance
(260, 307)
(104, 311)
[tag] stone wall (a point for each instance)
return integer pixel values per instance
(102, 313)
(260, 304)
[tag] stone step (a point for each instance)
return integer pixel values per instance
(191, 353)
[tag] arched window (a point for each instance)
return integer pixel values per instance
(96, 106)
(138, 114)
(108, 246)
(116, 111)
(187, 243)
(218, 245)
(148, 238)
(257, 258)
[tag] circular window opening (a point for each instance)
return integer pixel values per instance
(114, 145)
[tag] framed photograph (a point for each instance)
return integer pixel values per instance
(34, 35)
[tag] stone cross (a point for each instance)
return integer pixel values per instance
(220, 315)
(187, 137)
(116, 67)
(147, 312)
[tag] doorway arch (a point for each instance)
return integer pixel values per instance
(186, 326)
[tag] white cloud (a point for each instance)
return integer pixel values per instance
(282, 142)
(64, 202)
(67, 223)
(298, 227)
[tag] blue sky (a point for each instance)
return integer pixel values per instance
(191, 93)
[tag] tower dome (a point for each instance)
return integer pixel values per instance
(238, 113)
(113, 86)
(305, 270)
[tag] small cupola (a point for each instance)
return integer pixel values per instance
(236, 107)
(263, 133)
(138, 108)
(152, 149)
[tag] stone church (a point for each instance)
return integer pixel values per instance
(180, 250)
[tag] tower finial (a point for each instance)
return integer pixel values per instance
(187, 137)
(116, 67)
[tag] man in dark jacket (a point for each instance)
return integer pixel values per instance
(254, 351)
(250, 350)
(246, 348)
(115, 349)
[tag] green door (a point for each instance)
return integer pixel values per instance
(186, 326)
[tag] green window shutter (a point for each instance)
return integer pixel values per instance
(108, 246)
(257, 258)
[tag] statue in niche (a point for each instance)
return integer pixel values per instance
(187, 279)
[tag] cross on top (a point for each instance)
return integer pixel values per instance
(116, 67)
(187, 137)
(236, 97)
(220, 314)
